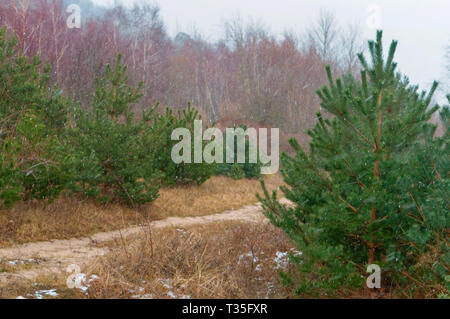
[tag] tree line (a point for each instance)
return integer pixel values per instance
(247, 73)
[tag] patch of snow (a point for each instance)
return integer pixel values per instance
(21, 262)
(81, 279)
(84, 282)
(282, 258)
(40, 294)
(141, 296)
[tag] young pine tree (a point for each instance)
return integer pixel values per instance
(160, 128)
(108, 154)
(32, 114)
(360, 196)
(237, 170)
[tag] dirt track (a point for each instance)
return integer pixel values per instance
(54, 256)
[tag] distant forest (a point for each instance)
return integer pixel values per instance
(248, 74)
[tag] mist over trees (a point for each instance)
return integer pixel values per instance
(249, 74)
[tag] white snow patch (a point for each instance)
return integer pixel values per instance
(282, 258)
(21, 262)
(171, 294)
(84, 281)
(40, 294)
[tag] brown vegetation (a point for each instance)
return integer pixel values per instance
(220, 260)
(70, 217)
(215, 260)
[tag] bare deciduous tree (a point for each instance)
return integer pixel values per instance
(351, 44)
(324, 35)
(248, 75)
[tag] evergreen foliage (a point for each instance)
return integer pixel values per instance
(48, 144)
(32, 115)
(109, 155)
(116, 157)
(237, 170)
(162, 126)
(374, 187)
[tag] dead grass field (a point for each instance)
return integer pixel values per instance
(226, 259)
(216, 260)
(73, 217)
(216, 195)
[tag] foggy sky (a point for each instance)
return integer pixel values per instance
(422, 27)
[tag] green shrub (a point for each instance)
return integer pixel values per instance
(236, 171)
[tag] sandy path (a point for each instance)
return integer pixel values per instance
(54, 256)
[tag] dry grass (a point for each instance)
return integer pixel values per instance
(218, 260)
(72, 217)
(15, 265)
(216, 195)
(62, 219)
(39, 288)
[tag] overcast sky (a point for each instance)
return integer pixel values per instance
(422, 27)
